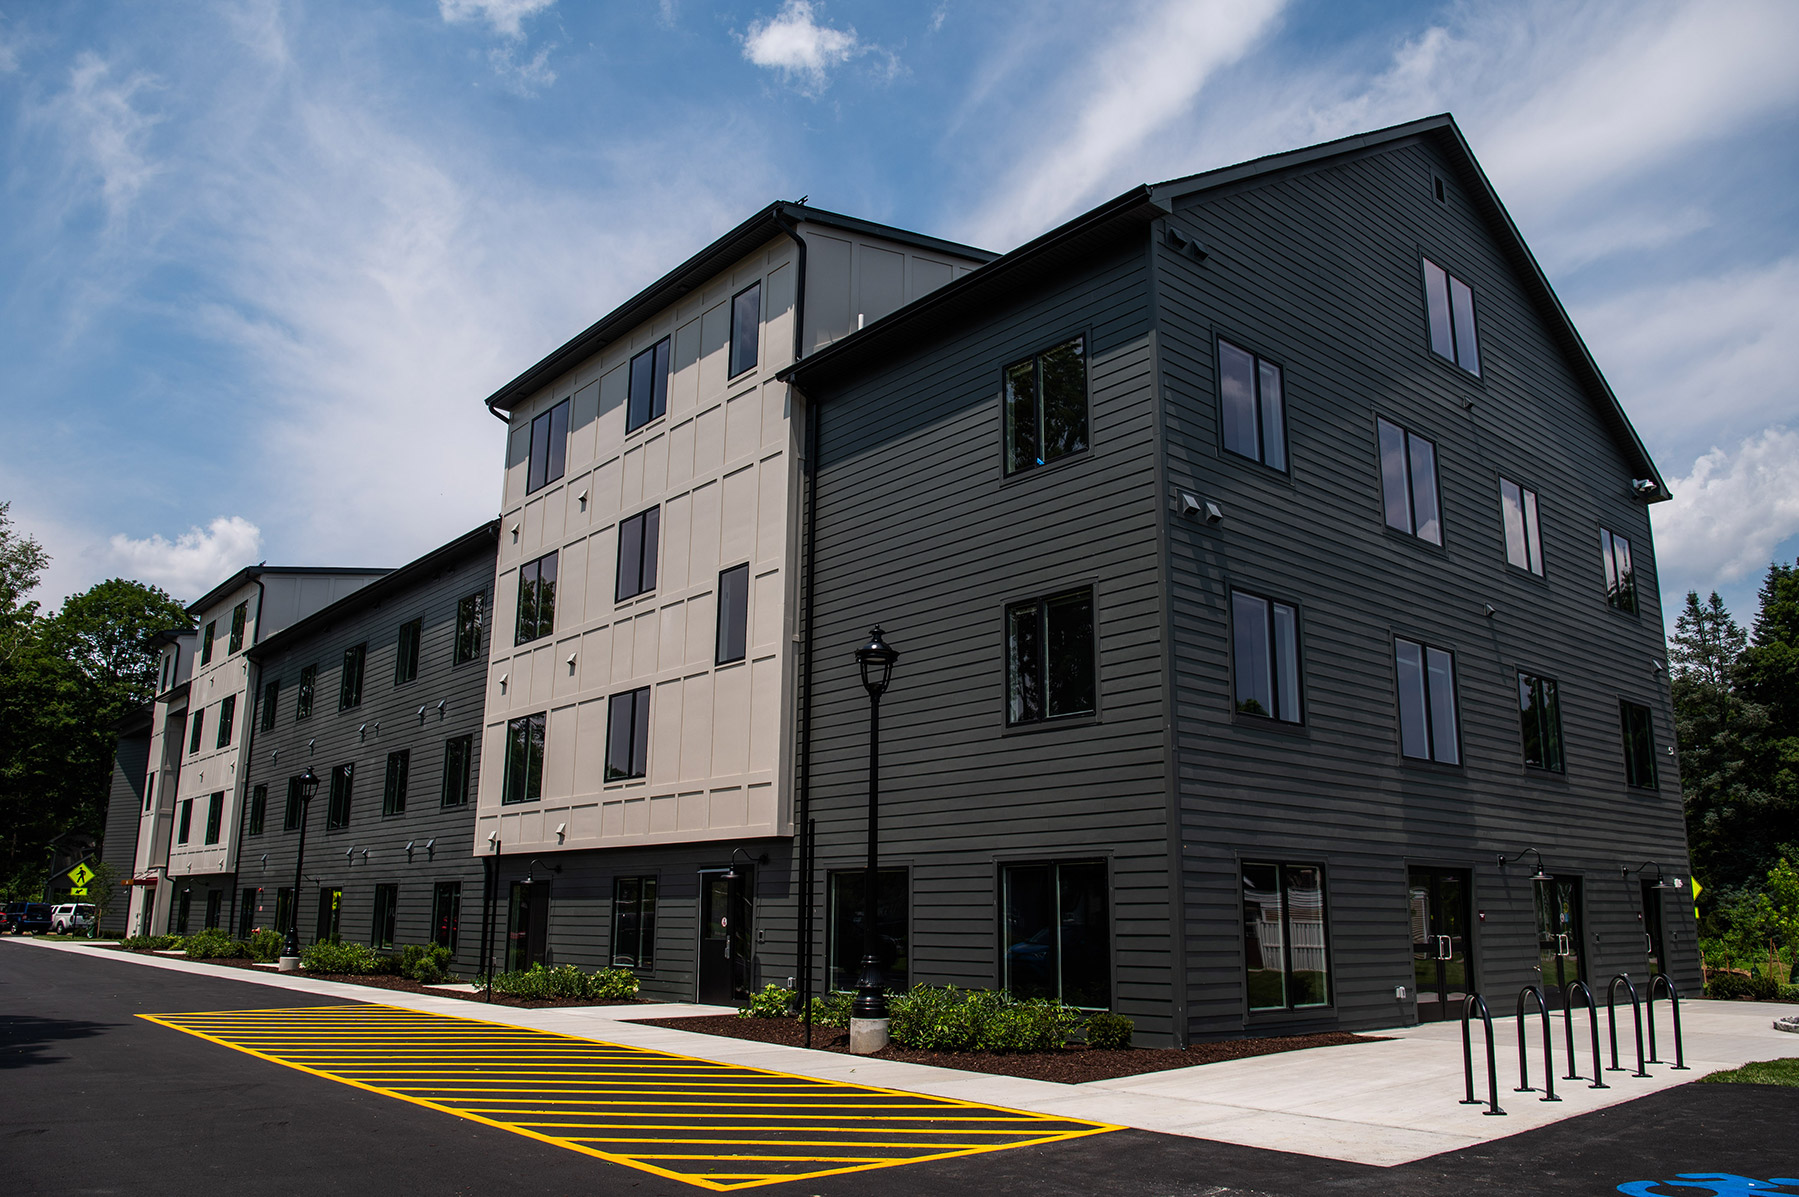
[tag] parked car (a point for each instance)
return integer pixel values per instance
(10, 914)
(31, 917)
(72, 916)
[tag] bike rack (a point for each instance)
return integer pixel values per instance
(1592, 1025)
(1524, 1085)
(1611, 1020)
(1468, 1006)
(1666, 982)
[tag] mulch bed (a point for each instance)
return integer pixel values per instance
(1070, 1065)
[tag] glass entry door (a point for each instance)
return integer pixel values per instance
(1442, 958)
(1559, 934)
(726, 917)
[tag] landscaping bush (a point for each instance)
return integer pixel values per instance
(565, 981)
(771, 1001)
(347, 959)
(1727, 986)
(1763, 986)
(944, 1018)
(1789, 993)
(151, 943)
(1111, 1032)
(426, 963)
(832, 1009)
(265, 946)
(213, 944)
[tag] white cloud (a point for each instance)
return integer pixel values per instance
(1728, 515)
(519, 75)
(506, 17)
(795, 44)
(193, 562)
(105, 130)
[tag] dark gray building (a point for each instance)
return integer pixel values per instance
(379, 694)
(1268, 558)
(124, 803)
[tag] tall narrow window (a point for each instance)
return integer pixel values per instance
(523, 781)
(746, 325)
(1050, 667)
(1254, 411)
(536, 599)
(1408, 473)
(1265, 652)
(1284, 952)
(393, 790)
(1540, 722)
(387, 903)
(471, 616)
(633, 922)
(309, 680)
(215, 906)
(446, 913)
(150, 793)
(1620, 577)
(1046, 406)
(1523, 543)
(215, 815)
(338, 814)
(1058, 933)
(183, 906)
(349, 685)
(843, 944)
(637, 547)
(406, 652)
(1639, 745)
(259, 808)
(1427, 718)
(1450, 303)
(331, 905)
(186, 823)
(628, 735)
(271, 695)
(733, 614)
(459, 752)
(648, 397)
(296, 810)
(240, 616)
(549, 447)
(193, 735)
(227, 717)
(212, 628)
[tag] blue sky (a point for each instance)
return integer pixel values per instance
(261, 262)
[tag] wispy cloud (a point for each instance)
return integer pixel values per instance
(505, 17)
(1728, 515)
(193, 562)
(106, 130)
(795, 43)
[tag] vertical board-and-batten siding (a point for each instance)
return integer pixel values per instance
(1319, 271)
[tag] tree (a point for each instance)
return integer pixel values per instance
(103, 632)
(102, 890)
(22, 562)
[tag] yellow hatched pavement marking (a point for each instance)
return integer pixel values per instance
(710, 1136)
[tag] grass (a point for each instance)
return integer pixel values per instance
(1762, 1072)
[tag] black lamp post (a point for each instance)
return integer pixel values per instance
(308, 786)
(875, 659)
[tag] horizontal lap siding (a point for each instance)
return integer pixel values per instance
(1320, 272)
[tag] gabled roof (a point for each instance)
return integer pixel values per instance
(903, 327)
(251, 572)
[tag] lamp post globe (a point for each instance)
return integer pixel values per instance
(868, 1013)
(305, 786)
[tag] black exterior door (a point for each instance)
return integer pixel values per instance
(1559, 929)
(1442, 957)
(527, 925)
(1653, 950)
(725, 921)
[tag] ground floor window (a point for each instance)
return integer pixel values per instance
(633, 922)
(843, 948)
(183, 905)
(527, 925)
(331, 902)
(446, 913)
(215, 908)
(284, 909)
(387, 901)
(1058, 933)
(246, 912)
(1283, 936)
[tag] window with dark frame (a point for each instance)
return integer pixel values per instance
(471, 617)
(240, 617)
(523, 779)
(1540, 722)
(393, 789)
(1620, 576)
(1523, 541)
(647, 397)
(549, 447)
(1285, 956)
(387, 903)
(1058, 933)
(733, 615)
(215, 908)
(194, 731)
(331, 907)
(271, 695)
(746, 326)
(843, 943)
(1639, 745)
(446, 914)
(185, 826)
(309, 680)
(633, 922)
(338, 813)
(1046, 406)
(1450, 304)
(536, 599)
(284, 908)
(1050, 667)
(212, 627)
(179, 917)
(215, 816)
(227, 717)
(349, 685)
(1408, 473)
(259, 808)
(1427, 706)
(638, 542)
(406, 652)
(459, 753)
(1265, 657)
(1252, 406)
(628, 735)
(290, 818)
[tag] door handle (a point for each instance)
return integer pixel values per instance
(1445, 948)
(1562, 947)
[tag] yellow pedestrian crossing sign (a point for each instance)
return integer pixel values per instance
(1697, 888)
(79, 876)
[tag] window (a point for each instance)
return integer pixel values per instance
(1284, 959)
(259, 808)
(843, 948)
(637, 541)
(150, 793)
(338, 814)
(1639, 745)
(349, 686)
(387, 901)
(1265, 654)
(628, 735)
(1450, 303)
(633, 922)
(1427, 722)
(168, 660)
(1049, 658)
(1408, 475)
(1046, 406)
(1058, 933)
(187, 821)
(393, 791)
(193, 737)
(183, 905)
(240, 616)
(1254, 414)
(549, 447)
(459, 752)
(296, 810)
(246, 911)
(215, 814)
(1540, 722)
(524, 760)
(406, 653)
(331, 904)
(446, 913)
(227, 716)
(284, 909)
(215, 906)
(471, 615)
(309, 679)
(746, 324)
(1620, 577)
(271, 695)
(1523, 544)
(536, 599)
(648, 397)
(733, 614)
(212, 628)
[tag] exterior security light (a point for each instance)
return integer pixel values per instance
(1644, 487)
(876, 659)
(1540, 875)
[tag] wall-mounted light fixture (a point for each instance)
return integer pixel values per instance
(441, 703)
(363, 732)
(582, 498)
(1644, 488)
(422, 711)
(503, 678)
(1539, 875)
(430, 846)
(561, 832)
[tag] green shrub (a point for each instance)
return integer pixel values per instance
(213, 943)
(1111, 1032)
(832, 1009)
(1033, 1026)
(265, 946)
(613, 985)
(426, 963)
(1763, 986)
(1727, 986)
(771, 1001)
(1789, 993)
(944, 1018)
(347, 959)
(151, 943)
(567, 982)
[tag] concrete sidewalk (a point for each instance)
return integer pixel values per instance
(1381, 1103)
